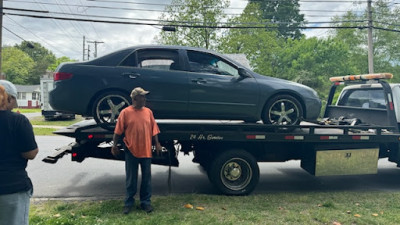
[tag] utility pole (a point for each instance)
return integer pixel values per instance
(83, 50)
(1, 35)
(88, 52)
(370, 41)
(95, 46)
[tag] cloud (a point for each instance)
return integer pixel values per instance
(65, 38)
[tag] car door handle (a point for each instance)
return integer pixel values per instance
(199, 81)
(131, 75)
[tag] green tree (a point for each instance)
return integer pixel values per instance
(284, 12)
(58, 61)
(312, 61)
(16, 65)
(42, 57)
(386, 42)
(259, 45)
(185, 15)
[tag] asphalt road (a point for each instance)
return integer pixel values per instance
(99, 178)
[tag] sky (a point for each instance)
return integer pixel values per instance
(65, 38)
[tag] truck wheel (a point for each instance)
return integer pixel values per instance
(234, 172)
(107, 107)
(283, 110)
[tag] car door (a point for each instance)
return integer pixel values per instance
(217, 91)
(159, 71)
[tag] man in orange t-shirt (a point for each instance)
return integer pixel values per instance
(139, 126)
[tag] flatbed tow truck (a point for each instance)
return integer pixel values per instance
(350, 142)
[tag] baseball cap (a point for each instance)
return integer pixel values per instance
(138, 91)
(9, 87)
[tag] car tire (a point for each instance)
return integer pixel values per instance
(234, 172)
(282, 110)
(106, 108)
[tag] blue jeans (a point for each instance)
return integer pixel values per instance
(131, 170)
(14, 208)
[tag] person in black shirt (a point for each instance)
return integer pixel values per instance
(18, 145)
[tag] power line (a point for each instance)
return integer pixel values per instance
(35, 36)
(153, 4)
(91, 24)
(13, 33)
(26, 10)
(193, 22)
(58, 24)
(179, 25)
(165, 22)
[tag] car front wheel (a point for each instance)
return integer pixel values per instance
(107, 107)
(282, 110)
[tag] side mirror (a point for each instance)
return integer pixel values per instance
(244, 73)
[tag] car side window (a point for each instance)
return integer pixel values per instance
(156, 59)
(200, 62)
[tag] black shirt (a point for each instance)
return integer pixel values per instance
(16, 136)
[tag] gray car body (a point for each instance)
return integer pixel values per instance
(177, 94)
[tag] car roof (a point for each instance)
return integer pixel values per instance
(115, 57)
(169, 47)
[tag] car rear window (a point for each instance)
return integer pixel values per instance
(158, 59)
(363, 98)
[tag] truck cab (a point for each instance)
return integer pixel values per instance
(367, 99)
(369, 96)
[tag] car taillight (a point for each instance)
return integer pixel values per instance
(62, 76)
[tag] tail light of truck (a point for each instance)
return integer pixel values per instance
(62, 76)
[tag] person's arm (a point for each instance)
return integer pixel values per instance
(30, 154)
(157, 143)
(114, 148)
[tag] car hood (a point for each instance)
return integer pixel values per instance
(290, 86)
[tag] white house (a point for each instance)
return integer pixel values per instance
(28, 96)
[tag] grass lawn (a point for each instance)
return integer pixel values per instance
(23, 110)
(276, 208)
(41, 121)
(45, 131)
(39, 131)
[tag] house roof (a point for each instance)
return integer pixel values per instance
(28, 88)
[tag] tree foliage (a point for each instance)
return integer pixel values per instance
(58, 61)
(194, 13)
(386, 43)
(259, 45)
(286, 13)
(16, 65)
(312, 61)
(42, 57)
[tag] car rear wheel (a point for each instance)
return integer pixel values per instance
(282, 110)
(107, 107)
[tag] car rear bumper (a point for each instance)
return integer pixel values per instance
(60, 100)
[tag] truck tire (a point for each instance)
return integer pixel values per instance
(234, 172)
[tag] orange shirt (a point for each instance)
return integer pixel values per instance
(139, 127)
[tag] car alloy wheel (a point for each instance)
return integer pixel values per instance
(107, 108)
(283, 110)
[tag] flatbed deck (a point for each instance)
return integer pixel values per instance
(197, 130)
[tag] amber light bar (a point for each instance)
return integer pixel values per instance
(372, 76)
